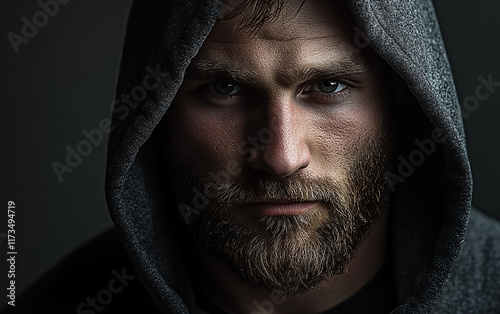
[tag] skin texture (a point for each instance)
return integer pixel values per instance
(276, 121)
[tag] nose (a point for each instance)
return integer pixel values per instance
(287, 151)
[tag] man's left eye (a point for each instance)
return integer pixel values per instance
(328, 86)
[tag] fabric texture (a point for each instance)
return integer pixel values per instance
(440, 264)
(431, 206)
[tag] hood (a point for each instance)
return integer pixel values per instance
(431, 180)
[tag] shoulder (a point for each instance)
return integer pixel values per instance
(97, 278)
(474, 286)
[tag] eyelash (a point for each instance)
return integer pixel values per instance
(218, 98)
(337, 96)
(306, 89)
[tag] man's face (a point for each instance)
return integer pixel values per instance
(279, 139)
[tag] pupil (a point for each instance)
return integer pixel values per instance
(224, 88)
(328, 86)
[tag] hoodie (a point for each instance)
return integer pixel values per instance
(446, 256)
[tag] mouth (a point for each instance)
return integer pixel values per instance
(280, 207)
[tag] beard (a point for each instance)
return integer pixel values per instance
(291, 255)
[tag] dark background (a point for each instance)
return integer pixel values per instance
(62, 82)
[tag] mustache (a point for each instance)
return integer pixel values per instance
(295, 188)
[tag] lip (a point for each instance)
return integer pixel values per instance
(280, 207)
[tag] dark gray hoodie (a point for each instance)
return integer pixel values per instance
(446, 257)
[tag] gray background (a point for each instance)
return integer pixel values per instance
(63, 80)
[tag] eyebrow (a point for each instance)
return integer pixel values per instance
(202, 69)
(335, 69)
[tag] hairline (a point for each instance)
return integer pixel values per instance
(258, 16)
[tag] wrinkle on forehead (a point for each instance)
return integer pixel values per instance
(226, 40)
(305, 52)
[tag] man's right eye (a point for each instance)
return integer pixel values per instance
(224, 88)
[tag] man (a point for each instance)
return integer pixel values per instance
(286, 213)
(312, 160)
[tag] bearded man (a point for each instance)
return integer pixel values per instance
(289, 157)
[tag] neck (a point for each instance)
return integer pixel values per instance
(217, 285)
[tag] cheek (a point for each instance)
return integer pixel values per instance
(205, 141)
(337, 134)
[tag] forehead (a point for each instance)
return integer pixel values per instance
(295, 19)
(317, 30)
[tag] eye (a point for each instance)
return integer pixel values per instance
(223, 88)
(328, 86)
